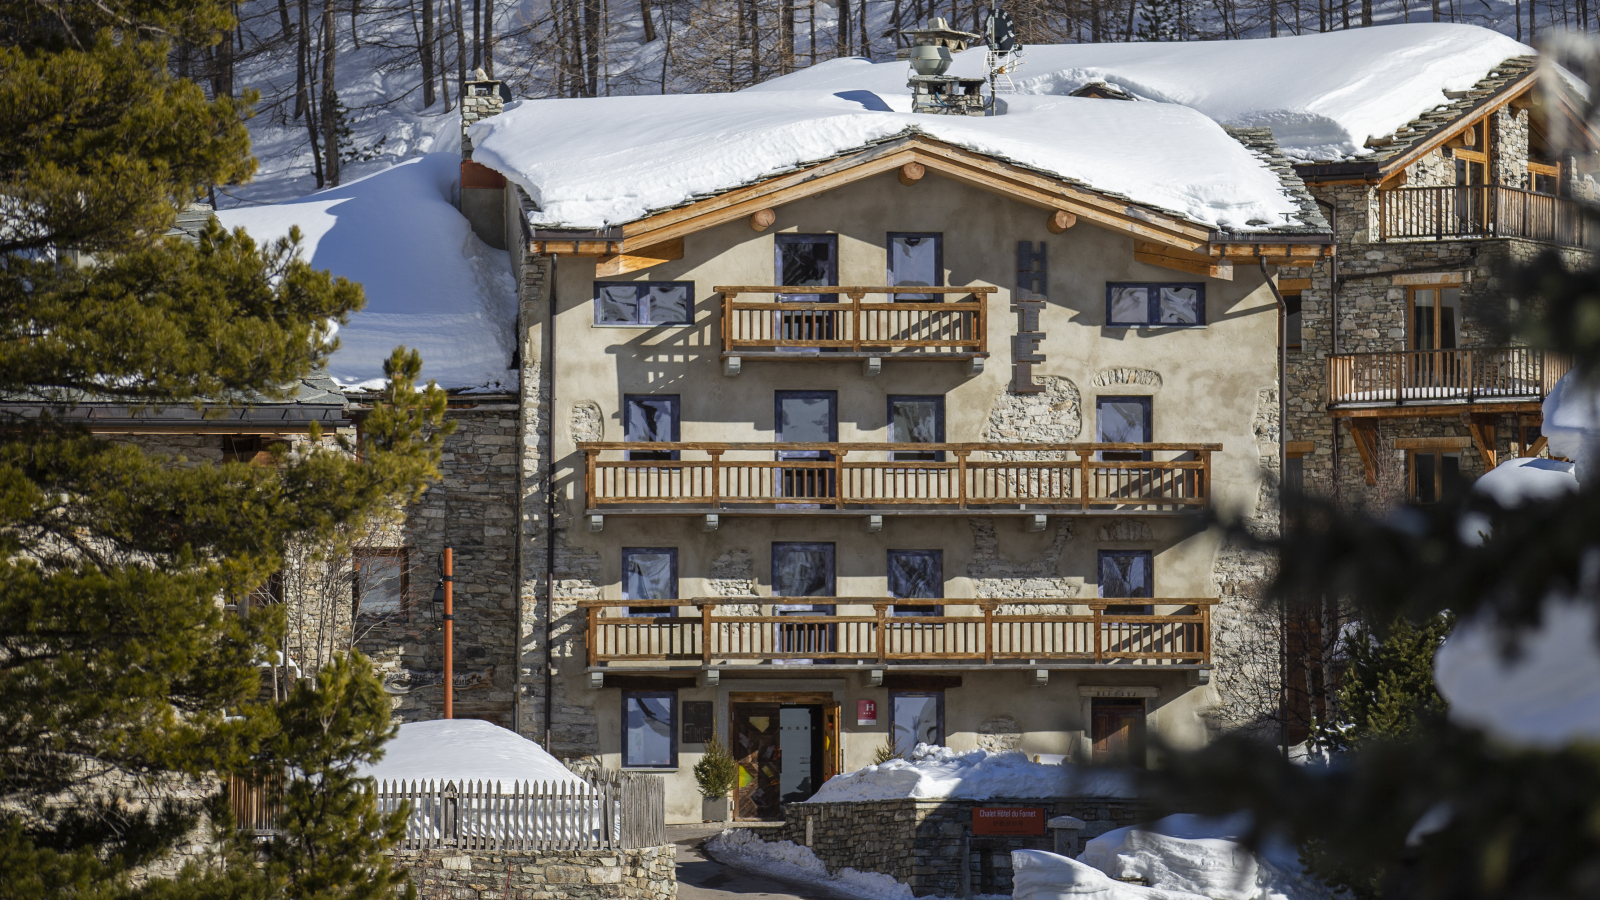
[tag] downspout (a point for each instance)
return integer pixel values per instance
(1283, 458)
(550, 519)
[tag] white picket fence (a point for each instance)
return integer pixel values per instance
(609, 811)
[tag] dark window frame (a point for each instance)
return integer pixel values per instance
(1143, 400)
(831, 239)
(1294, 320)
(641, 291)
(938, 712)
(833, 574)
(676, 401)
(938, 428)
(672, 727)
(938, 261)
(1127, 609)
(650, 612)
(1444, 487)
(403, 612)
(916, 610)
(1153, 304)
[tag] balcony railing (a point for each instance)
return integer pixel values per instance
(906, 322)
(1472, 375)
(717, 637)
(1479, 211)
(836, 476)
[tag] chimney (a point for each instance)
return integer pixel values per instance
(483, 97)
(483, 190)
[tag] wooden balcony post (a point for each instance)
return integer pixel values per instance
(588, 478)
(1205, 632)
(855, 320)
(882, 610)
(983, 322)
(1383, 215)
(594, 636)
(988, 634)
(705, 634)
(716, 478)
(1099, 639)
(1083, 478)
(727, 320)
(961, 478)
(838, 475)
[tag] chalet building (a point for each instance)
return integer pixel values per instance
(900, 442)
(1403, 384)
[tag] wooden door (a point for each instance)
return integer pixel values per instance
(1118, 732)
(832, 751)
(755, 746)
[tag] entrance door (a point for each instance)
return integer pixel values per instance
(756, 735)
(785, 749)
(1118, 732)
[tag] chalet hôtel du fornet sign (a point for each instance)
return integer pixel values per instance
(1008, 820)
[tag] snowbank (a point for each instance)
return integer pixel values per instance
(935, 773)
(466, 749)
(1040, 875)
(1203, 855)
(1572, 422)
(786, 859)
(431, 284)
(1517, 481)
(1323, 94)
(590, 163)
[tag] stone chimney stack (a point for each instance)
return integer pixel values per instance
(483, 97)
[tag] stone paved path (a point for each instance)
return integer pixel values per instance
(703, 878)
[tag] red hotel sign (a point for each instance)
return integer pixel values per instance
(997, 820)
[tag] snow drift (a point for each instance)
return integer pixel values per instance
(466, 749)
(431, 284)
(940, 773)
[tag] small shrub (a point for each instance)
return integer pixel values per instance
(887, 750)
(716, 773)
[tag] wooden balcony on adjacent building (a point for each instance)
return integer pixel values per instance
(798, 323)
(856, 479)
(885, 631)
(1426, 382)
(1480, 211)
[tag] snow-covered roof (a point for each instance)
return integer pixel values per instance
(1323, 95)
(431, 284)
(600, 162)
(465, 749)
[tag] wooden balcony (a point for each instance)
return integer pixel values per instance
(1480, 211)
(715, 637)
(757, 324)
(866, 478)
(1463, 379)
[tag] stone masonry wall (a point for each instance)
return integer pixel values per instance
(469, 510)
(918, 842)
(646, 874)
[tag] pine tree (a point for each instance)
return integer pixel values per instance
(1387, 690)
(1158, 20)
(120, 673)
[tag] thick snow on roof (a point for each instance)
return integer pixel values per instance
(1322, 95)
(939, 773)
(596, 162)
(431, 284)
(466, 749)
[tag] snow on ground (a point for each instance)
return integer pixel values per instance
(1549, 693)
(1204, 856)
(431, 284)
(458, 749)
(1322, 94)
(741, 847)
(939, 773)
(596, 162)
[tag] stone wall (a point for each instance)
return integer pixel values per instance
(646, 874)
(470, 510)
(919, 842)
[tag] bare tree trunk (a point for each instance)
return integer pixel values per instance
(477, 34)
(786, 29)
(461, 53)
(426, 46)
(843, 46)
(755, 42)
(283, 19)
(649, 25)
(866, 38)
(330, 97)
(301, 63)
(812, 19)
(591, 40)
(1127, 35)
(1272, 18)
(444, 56)
(579, 62)
(1094, 21)
(355, 10)
(488, 37)
(1366, 13)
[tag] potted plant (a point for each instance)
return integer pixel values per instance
(716, 773)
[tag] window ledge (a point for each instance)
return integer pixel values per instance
(656, 769)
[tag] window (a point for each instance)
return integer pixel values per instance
(1117, 730)
(1435, 317)
(916, 718)
(916, 575)
(1291, 321)
(916, 420)
(806, 417)
(1435, 475)
(649, 573)
(1545, 178)
(1122, 420)
(649, 723)
(805, 260)
(916, 259)
(651, 419)
(1178, 305)
(379, 586)
(803, 570)
(643, 302)
(1126, 574)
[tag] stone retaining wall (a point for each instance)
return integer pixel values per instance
(646, 874)
(919, 842)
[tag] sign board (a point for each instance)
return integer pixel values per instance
(696, 721)
(866, 712)
(1005, 820)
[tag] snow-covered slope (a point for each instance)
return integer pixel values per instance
(1323, 95)
(466, 749)
(431, 284)
(596, 162)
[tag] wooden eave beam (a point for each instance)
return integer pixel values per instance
(1180, 261)
(1471, 117)
(1435, 411)
(635, 260)
(1481, 427)
(1365, 434)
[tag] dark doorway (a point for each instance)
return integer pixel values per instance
(1118, 732)
(785, 751)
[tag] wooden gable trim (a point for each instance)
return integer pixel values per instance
(1182, 260)
(634, 260)
(1477, 114)
(958, 165)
